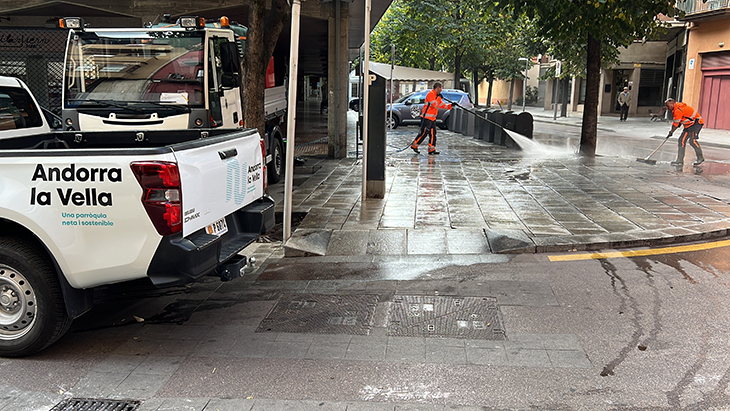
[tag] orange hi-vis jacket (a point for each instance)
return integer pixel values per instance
(685, 115)
(432, 105)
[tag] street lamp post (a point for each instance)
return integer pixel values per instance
(524, 82)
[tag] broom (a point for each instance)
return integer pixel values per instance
(646, 159)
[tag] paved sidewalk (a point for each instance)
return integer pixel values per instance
(478, 198)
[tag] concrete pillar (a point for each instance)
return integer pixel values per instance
(636, 78)
(338, 79)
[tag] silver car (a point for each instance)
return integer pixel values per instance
(407, 110)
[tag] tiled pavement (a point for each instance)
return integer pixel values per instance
(477, 197)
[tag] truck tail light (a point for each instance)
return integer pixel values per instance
(263, 160)
(161, 194)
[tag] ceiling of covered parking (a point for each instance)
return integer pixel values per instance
(313, 31)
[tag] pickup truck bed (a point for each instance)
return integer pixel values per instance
(85, 209)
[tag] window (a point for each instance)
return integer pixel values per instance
(17, 109)
(650, 88)
(418, 98)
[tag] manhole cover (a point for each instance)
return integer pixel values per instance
(321, 313)
(89, 404)
(454, 317)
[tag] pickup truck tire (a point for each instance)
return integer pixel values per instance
(32, 310)
(276, 167)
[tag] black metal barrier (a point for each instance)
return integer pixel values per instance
(524, 124)
(510, 119)
(480, 129)
(490, 124)
(468, 122)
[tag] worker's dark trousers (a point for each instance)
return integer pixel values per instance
(624, 112)
(689, 136)
(428, 129)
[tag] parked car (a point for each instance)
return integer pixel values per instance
(407, 110)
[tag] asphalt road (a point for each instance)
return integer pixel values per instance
(641, 333)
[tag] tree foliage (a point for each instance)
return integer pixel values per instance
(469, 37)
(589, 31)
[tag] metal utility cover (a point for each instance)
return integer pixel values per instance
(90, 404)
(322, 314)
(441, 316)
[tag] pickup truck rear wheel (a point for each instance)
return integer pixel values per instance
(276, 167)
(32, 311)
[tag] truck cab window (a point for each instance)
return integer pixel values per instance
(215, 79)
(17, 110)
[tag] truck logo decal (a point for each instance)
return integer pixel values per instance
(235, 184)
(238, 185)
(86, 196)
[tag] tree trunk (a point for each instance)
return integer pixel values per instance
(254, 69)
(457, 71)
(511, 94)
(490, 79)
(589, 131)
(263, 33)
(475, 80)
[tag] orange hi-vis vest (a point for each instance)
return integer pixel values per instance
(685, 115)
(432, 105)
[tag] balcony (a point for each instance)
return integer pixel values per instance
(698, 6)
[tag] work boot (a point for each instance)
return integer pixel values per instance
(700, 157)
(680, 157)
(415, 150)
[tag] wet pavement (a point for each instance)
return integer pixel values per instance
(476, 197)
(409, 307)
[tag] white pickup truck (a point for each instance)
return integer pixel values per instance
(83, 209)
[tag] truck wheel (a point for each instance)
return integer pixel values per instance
(32, 311)
(276, 167)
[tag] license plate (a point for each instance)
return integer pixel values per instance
(218, 228)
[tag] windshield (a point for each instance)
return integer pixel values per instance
(145, 67)
(402, 99)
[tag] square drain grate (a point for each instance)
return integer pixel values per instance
(441, 316)
(322, 314)
(91, 404)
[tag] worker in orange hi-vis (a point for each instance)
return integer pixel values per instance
(428, 122)
(692, 122)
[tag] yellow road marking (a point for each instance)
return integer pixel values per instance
(640, 253)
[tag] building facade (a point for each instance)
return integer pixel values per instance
(707, 62)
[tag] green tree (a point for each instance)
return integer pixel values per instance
(595, 25)
(407, 24)
(458, 35)
(431, 34)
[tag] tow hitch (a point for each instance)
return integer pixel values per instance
(231, 269)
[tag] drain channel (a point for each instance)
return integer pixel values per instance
(92, 404)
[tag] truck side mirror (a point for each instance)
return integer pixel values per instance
(230, 65)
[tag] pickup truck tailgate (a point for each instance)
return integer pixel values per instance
(218, 175)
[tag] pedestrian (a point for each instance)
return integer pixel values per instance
(624, 99)
(692, 122)
(428, 121)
